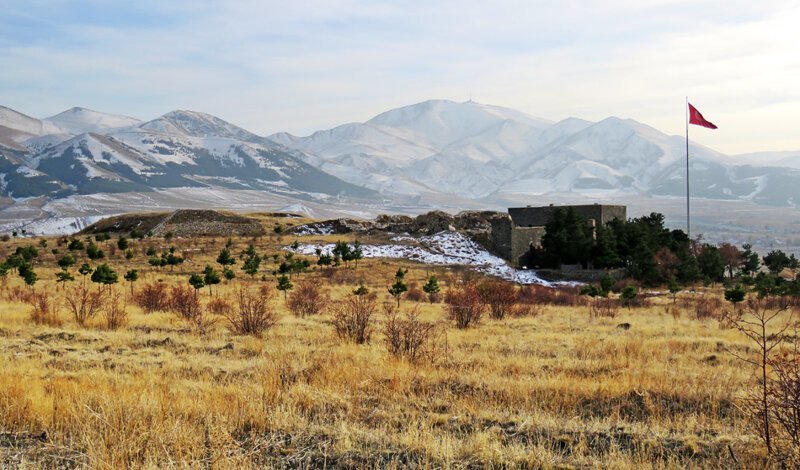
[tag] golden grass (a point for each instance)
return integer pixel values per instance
(558, 390)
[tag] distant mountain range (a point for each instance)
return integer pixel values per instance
(86, 152)
(423, 152)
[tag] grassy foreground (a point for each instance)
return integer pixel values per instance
(559, 389)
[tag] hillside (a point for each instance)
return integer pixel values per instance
(180, 223)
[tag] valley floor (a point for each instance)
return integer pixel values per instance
(647, 389)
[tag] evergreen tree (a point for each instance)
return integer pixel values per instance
(210, 277)
(132, 276)
(357, 252)
(196, 281)
(399, 287)
(734, 295)
(750, 261)
(225, 258)
(252, 262)
(94, 252)
(776, 261)
(285, 285)
(104, 275)
(66, 261)
(64, 276)
(84, 271)
(431, 287)
(711, 263)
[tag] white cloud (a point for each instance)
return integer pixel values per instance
(270, 66)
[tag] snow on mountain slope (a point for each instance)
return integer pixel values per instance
(790, 159)
(81, 120)
(443, 122)
(424, 153)
(434, 144)
(197, 124)
(25, 124)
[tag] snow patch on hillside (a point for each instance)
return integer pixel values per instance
(443, 248)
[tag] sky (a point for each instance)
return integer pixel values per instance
(303, 66)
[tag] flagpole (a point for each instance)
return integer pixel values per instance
(688, 223)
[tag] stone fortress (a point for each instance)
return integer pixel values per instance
(517, 236)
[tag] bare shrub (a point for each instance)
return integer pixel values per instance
(556, 296)
(309, 298)
(414, 293)
(706, 306)
(525, 310)
(408, 337)
(255, 313)
(185, 303)
(341, 276)
(115, 312)
(604, 307)
(673, 310)
(765, 328)
(84, 302)
(499, 296)
(353, 318)
(152, 298)
(464, 304)
(219, 306)
(44, 310)
(20, 294)
(784, 402)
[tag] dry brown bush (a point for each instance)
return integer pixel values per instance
(20, 294)
(464, 304)
(673, 310)
(255, 313)
(309, 298)
(784, 402)
(84, 302)
(219, 306)
(414, 293)
(341, 275)
(707, 306)
(525, 310)
(499, 296)
(115, 312)
(185, 303)
(604, 307)
(408, 337)
(152, 298)
(44, 312)
(353, 317)
(556, 296)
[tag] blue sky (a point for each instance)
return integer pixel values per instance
(302, 66)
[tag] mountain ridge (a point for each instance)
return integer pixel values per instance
(423, 151)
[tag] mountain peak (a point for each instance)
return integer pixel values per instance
(77, 120)
(197, 124)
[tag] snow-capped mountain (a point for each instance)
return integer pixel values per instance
(789, 159)
(81, 120)
(416, 155)
(83, 151)
(487, 152)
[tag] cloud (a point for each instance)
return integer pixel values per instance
(301, 66)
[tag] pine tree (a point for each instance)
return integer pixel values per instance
(285, 285)
(431, 287)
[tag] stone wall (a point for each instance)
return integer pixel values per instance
(522, 240)
(538, 216)
(500, 243)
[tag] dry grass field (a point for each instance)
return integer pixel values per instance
(559, 389)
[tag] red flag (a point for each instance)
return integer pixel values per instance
(696, 118)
